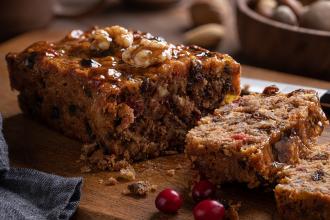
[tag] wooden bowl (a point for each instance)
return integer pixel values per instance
(269, 43)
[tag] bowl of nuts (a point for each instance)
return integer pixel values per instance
(288, 35)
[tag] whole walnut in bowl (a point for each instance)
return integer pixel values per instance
(277, 44)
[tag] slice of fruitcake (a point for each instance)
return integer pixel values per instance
(304, 190)
(254, 137)
(133, 93)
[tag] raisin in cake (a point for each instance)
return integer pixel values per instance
(251, 139)
(131, 92)
(304, 190)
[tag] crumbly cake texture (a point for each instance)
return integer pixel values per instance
(304, 190)
(254, 137)
(134, 94)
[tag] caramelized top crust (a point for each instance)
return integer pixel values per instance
(114, 57)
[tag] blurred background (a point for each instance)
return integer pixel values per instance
(286, 35)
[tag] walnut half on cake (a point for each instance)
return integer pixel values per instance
(254, 137)
(134, 94)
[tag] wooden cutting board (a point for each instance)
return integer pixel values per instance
(33, 145)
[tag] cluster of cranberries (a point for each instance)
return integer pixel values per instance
(169, 201)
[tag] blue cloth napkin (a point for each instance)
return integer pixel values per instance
(31, 194)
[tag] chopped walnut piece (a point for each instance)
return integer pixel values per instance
(147, 53)
(127, 173)
(101, 39)
(121, 35)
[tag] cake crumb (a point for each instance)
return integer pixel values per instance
(127, 173)
(170, 172)
(85, 169)
(120, 165)
(101, 181)
(232, 210)
(95, 157)
(153, 188)
(271, 90)
(139, 188)
(110, 181)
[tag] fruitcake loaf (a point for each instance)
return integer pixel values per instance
(304, 190)
(134, 94)
(251, 139)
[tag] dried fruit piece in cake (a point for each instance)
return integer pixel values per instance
(251, 139)
(132, 93)
(304, 191)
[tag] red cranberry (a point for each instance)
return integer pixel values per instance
(168, 201)
(239, 137)
(209, 210)
(202, 190)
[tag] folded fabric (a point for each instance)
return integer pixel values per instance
(4, 161)
(31, 194)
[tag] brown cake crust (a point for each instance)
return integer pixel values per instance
(133, 93)
(253, 138)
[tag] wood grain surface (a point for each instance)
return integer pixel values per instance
(35, 146)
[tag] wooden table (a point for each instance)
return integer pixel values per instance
(35, 146)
